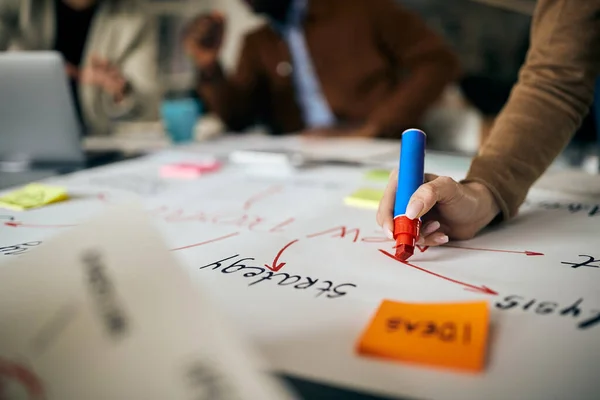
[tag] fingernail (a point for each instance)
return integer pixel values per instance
(430, 228)
(414, 208)
(421, 241)
(441, 239)
(388, 232)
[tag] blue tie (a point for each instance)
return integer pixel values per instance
(315, 109)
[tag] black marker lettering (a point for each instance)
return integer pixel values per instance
(236, 265)
(511, 303)
(217, 264)
(574, 309)
(337, 292)
(305, 285)
(231, 265)
(448, 332)
(11, 250)
(321, 291)
(546, 307)
(550, 206)
(529, 304)
(588, 323)
(266, 277)
(410, 327)
(256, 271)
(430, 328)
(286, 277)
(467, 333)
(393, 324)
(103, 292)
(588, 263)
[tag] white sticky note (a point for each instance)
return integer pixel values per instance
(93, 314)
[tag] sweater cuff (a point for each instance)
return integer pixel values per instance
(489, 172)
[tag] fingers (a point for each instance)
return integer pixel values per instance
(72, 71)
(103, 73)
(440, 190)
(430, 177)
(435, 239)
(385, 212)
(205, 31)
(432, 235)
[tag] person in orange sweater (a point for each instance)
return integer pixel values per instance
(546, 106)
(329, 67)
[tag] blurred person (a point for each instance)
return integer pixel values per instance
(109, 48)
(324, 67)
(544, 110)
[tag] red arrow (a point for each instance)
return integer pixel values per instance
(276, 265)
(265, 193)
(22, 225)
(469, 287)
(207, 242)
(102, 197)
(526, 252)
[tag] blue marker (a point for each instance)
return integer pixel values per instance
(410, 177)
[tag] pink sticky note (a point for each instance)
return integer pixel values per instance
(189, 170)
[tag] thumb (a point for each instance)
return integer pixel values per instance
(442, 190)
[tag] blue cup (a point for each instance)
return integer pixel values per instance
(180, 117)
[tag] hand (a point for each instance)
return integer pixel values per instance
(449, 209)
(203, 37)
(72, 71)
(102, 73)
(366, 130)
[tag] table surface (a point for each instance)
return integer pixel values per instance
(381, 154)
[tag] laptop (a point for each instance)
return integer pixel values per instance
(40, 134)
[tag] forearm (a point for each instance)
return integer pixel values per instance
(536, 124)
(223, 98)
(548, 103)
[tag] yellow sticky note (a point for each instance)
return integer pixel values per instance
(365, 198)
(381, 175)
(32, 196)
(452, 335)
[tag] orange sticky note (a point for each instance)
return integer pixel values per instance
(452, 335)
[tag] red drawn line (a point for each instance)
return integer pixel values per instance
(207, 242)
(341, 232)
(526, 252)
(22, 225)
(473, 288)
(102, 197)
(10, 371)
(276, 265)
(278, 227)
(266, 193)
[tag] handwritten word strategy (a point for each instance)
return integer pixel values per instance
(242, 266)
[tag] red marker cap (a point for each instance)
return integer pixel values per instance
(406, 234)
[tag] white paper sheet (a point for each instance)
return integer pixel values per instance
(545, 342)
(104, 312)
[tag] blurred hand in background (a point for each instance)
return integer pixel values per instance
(203, 39)
(102, 73)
